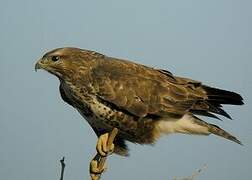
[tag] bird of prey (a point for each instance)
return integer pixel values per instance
(143, 103)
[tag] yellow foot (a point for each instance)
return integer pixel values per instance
(96, 170)
(103, 147)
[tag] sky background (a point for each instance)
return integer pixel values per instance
(208, 41)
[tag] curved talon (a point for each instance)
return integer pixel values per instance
(95, 169)
(102, 146)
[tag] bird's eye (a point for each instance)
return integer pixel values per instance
(55, 58)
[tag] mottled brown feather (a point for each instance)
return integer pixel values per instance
(142, 90)
(142, 102)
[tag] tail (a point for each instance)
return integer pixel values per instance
(190, 124)
(214, 129)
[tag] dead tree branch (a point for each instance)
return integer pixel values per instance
(63, 165)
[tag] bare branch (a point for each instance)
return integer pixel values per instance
(63, 165)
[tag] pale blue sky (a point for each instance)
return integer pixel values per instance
(205, 40)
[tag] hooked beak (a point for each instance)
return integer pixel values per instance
(38, 65)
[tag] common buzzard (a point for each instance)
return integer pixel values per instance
(142, 102)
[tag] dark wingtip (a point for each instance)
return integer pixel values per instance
(241, 103)
(205, 113)
(223, 96)
(224, 113)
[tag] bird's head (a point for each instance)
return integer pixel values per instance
(64, 62)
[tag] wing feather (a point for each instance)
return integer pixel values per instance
(144, 91)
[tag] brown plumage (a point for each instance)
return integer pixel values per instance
(142, 102)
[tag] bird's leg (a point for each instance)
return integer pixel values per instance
(104, 148)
